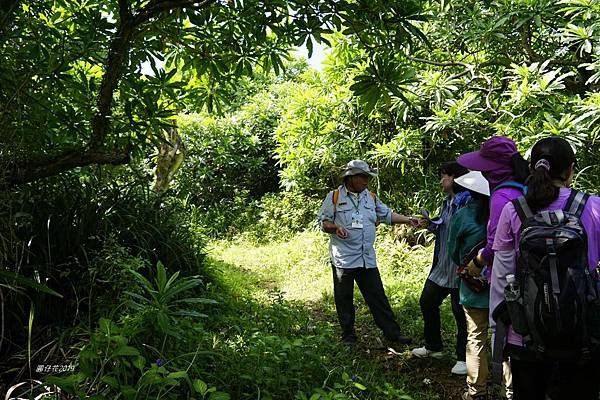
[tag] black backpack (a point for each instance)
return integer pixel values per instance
(557, 311)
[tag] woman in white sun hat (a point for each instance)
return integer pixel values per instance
(466, 237)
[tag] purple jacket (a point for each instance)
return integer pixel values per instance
(507, 239)
(498, 200)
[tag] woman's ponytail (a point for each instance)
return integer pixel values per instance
(541, 190)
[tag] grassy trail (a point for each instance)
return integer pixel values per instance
(278, 314)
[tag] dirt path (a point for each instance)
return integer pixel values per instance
(429, 374)
(426, 373)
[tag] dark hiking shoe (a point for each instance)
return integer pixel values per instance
(349, 338)
(399, 339)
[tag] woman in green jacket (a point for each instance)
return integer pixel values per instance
(466, 235)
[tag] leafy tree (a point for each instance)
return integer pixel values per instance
(522, 68)
(72, 93)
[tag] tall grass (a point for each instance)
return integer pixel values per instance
(78, 235)
(276, 294)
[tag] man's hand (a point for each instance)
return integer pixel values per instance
(330, 227)
(415, 222)
(341, 232)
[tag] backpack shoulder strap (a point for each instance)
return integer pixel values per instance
(334, 199)
(512, 184)
(374, 196)
(522, 208)
(576, 202)
(502, 318)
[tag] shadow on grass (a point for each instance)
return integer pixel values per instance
(276, 348)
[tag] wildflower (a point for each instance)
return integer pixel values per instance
(160, 362)
(354, 378)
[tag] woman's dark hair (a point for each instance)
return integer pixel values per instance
(520, 167)
(453, 169)
(559, 156)
(483, 212)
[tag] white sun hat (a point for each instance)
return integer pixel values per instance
(474, 181)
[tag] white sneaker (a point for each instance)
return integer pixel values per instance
(422, 352)
(460, 368)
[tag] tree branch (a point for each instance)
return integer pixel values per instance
(489, 63)
(7, 14)
(54, 165)
(128, 28)
(119, 48)
(526, 42)
(159, 6)
(30, 169)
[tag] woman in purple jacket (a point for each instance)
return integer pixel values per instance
(505, 169)
(552, 163)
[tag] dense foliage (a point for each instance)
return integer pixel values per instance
(134, 132)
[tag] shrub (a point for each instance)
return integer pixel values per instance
(79, 234)
(277, 216)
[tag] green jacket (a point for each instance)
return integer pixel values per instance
(464, 234)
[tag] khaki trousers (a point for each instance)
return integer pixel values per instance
(477, 360)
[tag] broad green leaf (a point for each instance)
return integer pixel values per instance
(200, 386)
(177, 375)
(125, 351)
(219, 396)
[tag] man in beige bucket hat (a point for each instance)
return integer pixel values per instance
(350, 215)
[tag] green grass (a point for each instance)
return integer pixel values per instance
(273, 333)
(277, 330)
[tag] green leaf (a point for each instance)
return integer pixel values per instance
(219, 396)
(190, 313)
(161, 275)
(110, 381)
(106, 326)
(142, 280)
(14, 278)
(177, 375)
(139, 362)
(128, 392)
(197, 300)
(125, 351)
(66, 382)
(200, 386)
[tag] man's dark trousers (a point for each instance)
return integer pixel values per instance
(371, 287)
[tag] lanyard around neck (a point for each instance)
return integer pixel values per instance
(352, 201)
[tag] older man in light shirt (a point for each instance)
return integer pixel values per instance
(350, 215)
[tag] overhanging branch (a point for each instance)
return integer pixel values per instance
(157, 7)
(53, 165)
(7, 11)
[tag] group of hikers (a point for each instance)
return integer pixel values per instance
(516, 249)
